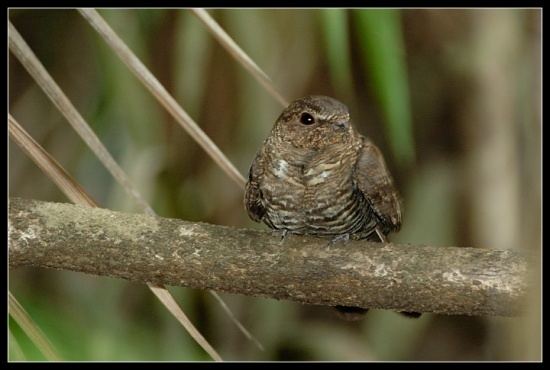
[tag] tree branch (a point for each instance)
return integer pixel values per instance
(142, 248)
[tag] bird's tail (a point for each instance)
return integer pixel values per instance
(351, 313)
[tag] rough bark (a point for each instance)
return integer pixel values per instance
(142, 248)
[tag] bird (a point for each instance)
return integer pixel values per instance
(316, 175)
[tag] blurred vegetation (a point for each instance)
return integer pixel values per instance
(381, 42)
(452, 97)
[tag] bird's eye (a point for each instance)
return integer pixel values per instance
(307, 119)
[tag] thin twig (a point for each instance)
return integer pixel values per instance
(156, 88)
(231, 46)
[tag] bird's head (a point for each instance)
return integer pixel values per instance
(314, 122)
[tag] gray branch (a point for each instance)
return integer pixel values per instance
(142, 248)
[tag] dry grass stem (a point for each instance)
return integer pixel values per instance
(24, 54)
(31, 329)
(78, 195)
(236, 52)
(156, 88)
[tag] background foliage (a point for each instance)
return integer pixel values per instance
(452, 97)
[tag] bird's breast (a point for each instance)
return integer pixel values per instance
(312, 197)
(321, 173)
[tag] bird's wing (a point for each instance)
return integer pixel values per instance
(253, 195)
(375, 182)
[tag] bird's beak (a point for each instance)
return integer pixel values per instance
(342, 125)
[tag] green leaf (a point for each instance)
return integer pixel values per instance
(334, 24)
(381, 43)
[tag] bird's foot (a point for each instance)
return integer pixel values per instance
(340, 238)
(281, 234)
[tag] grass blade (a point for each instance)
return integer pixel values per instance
(15, 352)
(48, 164)
(334, 23)
(79, 196)
(236, 321)
(379, 31)
(166, 298)
(31, 329)
(24, 54)
(236, 52)
(156, 88)
(38, 72)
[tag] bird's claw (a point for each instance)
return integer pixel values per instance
(281, 234)
(340, 238)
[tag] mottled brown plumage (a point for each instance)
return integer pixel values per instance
(315, 174)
